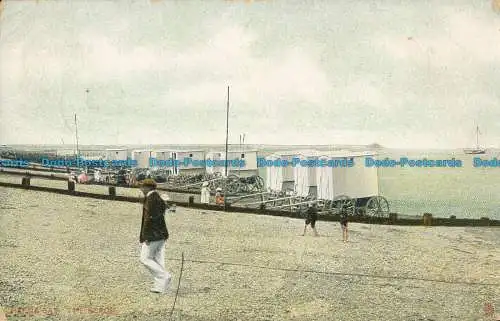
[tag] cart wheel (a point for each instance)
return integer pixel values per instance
(344, 202)
(212, 185)
(259, 183)
(377, 206)
(232, 186)
(242, 185)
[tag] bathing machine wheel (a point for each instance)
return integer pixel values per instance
(233, 184)
(377, 206)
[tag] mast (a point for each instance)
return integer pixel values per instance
(227, 127)
(241, 137)
(477, 136)
(76, 133)
(244, 143)
(227, 137)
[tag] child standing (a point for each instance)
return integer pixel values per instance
(219, 196)
(312, 217)
(343, 223)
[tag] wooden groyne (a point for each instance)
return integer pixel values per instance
(58, 176)
(393, 219)
(41, 168)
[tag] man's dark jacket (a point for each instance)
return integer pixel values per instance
(153, 227)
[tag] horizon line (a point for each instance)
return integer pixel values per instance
(373, 145)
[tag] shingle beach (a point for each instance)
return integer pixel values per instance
(71, 258)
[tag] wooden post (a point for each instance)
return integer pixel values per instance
(112, 190)
(427, 219)
(393, 217)
(71, 186)
(26, 181)
(191, 200)
(485, 221)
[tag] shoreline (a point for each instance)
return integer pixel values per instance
(182, 198)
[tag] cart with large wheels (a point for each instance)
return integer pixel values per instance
(343, 183)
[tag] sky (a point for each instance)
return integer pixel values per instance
(419, 74)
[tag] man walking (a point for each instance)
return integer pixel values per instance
(153, 236)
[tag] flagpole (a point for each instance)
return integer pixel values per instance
(241, 150)
(477, 137)
(227, 140)
(227, 127)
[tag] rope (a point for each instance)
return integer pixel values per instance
(334, 273)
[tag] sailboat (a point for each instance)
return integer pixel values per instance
(477, 150)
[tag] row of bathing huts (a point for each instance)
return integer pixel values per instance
(356, 180)
(353, 186)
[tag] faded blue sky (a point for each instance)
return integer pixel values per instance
(402, 73)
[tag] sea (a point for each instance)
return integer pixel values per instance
(466, 192)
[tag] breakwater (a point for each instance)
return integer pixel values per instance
(187, 199)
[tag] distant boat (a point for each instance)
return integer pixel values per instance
(477, 150)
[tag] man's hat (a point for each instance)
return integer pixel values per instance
(148, 182)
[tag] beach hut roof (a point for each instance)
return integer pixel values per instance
(178, 150)
(318, 153)
(235, 151)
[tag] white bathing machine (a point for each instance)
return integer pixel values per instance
(116, 154)
(336, 180)
(350, 184)
(284, 173)
(248, 169)
(188, 161)
(279, 178)
(94, 154)
(142, 158)
(305, 173)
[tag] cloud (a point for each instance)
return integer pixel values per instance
(357, 80)
(469, 37)
(228, 59)
(104, 60)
